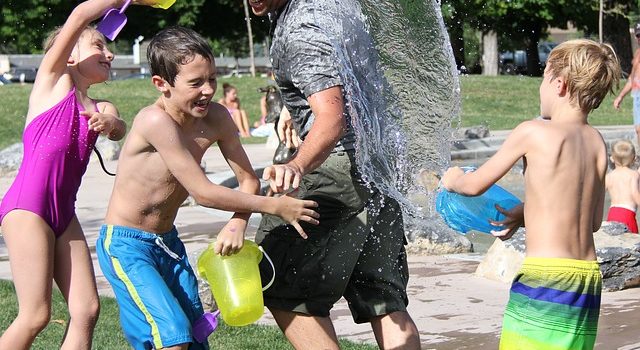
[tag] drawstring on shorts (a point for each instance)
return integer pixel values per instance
(160, 243)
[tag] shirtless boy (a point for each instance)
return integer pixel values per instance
(555, 297)
(622, 185)
(138, 248)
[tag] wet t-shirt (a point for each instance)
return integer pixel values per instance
(304, 59)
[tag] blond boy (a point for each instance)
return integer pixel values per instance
(622, 185)
(555, 298)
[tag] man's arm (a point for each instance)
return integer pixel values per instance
(328, 127)
(627, 87)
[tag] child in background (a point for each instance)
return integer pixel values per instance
(139, 250)
(232, 102)
(37, 214)
(622, 185)
(554, 301)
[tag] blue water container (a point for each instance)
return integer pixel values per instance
(464, 213)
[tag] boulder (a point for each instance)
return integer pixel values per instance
(618, 254)
(109, 150)
(10, 158)
(433, 237)
(476, 132)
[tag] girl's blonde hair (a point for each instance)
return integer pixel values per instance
(591, 70)
(623, 153)
(53, 35)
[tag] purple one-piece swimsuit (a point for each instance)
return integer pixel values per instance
(57, 147)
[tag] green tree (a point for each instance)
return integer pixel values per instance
(24, 24)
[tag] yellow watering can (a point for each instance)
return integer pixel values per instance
(235, 282)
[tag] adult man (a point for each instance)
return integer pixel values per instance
(633, 85)
(357, 251)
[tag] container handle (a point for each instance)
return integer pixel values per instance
(124, 7)
(273, 278)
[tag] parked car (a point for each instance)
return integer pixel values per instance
(23, 75)
(133, 76)
(515, 62)
(4, 81)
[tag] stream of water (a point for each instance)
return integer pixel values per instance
(402, 117)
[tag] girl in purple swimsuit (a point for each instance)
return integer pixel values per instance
(37, 214)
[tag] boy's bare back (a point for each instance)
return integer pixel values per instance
(565, 158)
(564, 188)
(622, 185)
(145, 175)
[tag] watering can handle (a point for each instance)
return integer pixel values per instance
(272, 267)
(124, 7)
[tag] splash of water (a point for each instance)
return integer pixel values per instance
(402, 118)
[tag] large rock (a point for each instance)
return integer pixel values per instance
(109, 150)
(476, 132)
(618, 254)
(10, 158)
(433, 237)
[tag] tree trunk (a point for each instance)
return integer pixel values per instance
(456, 35)
(490, 53)
(533, 59)
(250, 33)
(616, 33)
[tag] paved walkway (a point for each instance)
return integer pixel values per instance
(452, 307)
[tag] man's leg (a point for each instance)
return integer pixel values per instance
(313, 273)
(306, 332)
(377, 289)
(635, 94)
(396, 331)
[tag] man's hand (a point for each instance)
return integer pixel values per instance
(282, 177)
(514, 219)
(617, 102)
(286, 131)
(231, 238)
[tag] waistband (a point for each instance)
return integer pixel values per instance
(537, 263)
(622, 206)
(132, 232)
(107, 232)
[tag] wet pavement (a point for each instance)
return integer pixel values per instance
(453, 308)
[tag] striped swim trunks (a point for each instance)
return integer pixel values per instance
(554, 304)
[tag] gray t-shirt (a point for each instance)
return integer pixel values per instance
(303, 56)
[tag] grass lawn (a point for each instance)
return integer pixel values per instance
(499, 102)
(108, 334)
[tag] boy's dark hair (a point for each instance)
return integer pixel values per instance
(175, 46)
